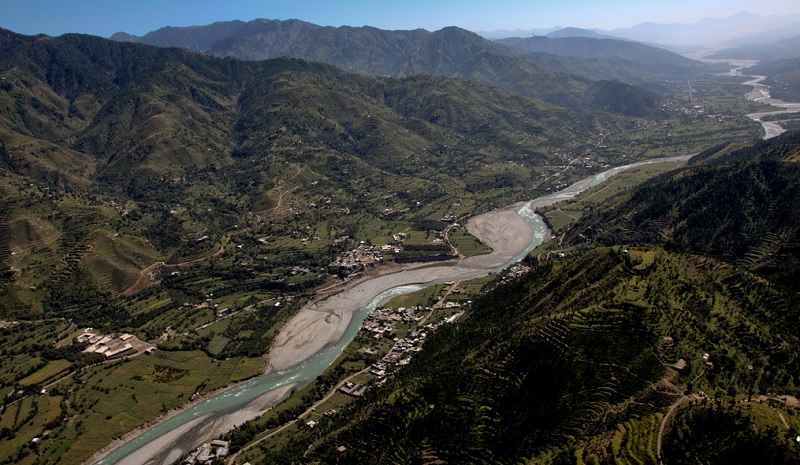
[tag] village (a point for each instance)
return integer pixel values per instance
(364, 254)
(112, 345)
(407, 330)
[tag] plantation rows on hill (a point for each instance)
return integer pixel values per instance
(740, 205)
(617, 353)
(573, 364)
(197, 202)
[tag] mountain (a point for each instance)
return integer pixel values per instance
(736, 204)
(770, 51)
(666, 332)
(631, 61)
(450, 52)
(704, 33)
(768, 36)
(504, 33)
(134, 153)
(577, 32)
(194, 38)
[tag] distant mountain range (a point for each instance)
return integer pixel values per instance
(631, 59)
(578, 32)
(770, 51)
(709, 31)
(742, 29)
(563, 73)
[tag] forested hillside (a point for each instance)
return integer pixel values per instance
(564, 75)
(740, 205)
(117, 156)
(574, 364)
(119, 159)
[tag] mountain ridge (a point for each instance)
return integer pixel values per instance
(152, 128)
(451, 52)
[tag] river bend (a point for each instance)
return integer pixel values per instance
(511, 232)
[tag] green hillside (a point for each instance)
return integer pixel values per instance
(119, 159)
(116, 157)
(559, 78)
(573, 364)
(740, 205)
(666, 332)
(197, 202)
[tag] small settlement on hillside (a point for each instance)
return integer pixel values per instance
(111, 345)
(382, 324)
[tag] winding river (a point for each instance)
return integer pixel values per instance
(325, 328)
(760, 93)
(512, 233)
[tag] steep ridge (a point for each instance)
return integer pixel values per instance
(162, 147)
(739, 205)
(451, 52)
(571, 361)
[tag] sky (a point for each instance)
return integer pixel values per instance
(105, 17)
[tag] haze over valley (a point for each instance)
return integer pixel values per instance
(255, 240)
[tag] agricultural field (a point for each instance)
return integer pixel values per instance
(100, 403)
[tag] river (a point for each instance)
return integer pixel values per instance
(512, 233)
(760, 93)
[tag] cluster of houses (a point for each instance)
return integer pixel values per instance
(517, 271)
(403, 348)
(106, 345)
(362, 255)
(382, 324)
(209, 453)
(382, 321)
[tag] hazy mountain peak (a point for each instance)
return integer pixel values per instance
(577, 32)
(708, 31)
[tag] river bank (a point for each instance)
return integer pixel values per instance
(321, 324)
(761, 94)
(311, 340)
(315, 330)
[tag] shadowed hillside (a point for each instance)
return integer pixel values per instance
(451, 52)
(740, 205)
(573, 363)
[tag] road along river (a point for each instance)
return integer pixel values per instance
(313, 339)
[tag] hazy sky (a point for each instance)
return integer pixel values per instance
(104, 17)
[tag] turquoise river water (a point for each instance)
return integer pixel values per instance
(243, 393)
